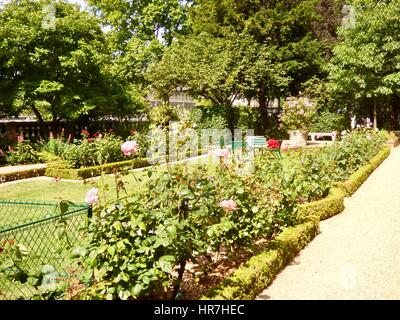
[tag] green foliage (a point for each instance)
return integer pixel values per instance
(162, 115)
(58, 72)
(327, 121)
(364, 64)
(324, 208)
(178, 218)
(58, 169)
(23, 153)
(209, 117)
(350, 154)
(308, 176)
(94, 151)
(357, 178)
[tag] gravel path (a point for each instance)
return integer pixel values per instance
(357, 253)
(22, 168)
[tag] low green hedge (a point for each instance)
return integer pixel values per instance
(18, 175)
(59, 169)
(324, 208)
(257, 273)
(357, 178)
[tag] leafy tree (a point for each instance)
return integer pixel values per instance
(138, 33)
(366, 63)
(57, 71)
(256, 49)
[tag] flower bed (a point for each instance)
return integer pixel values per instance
(259, 272)
(140, 246)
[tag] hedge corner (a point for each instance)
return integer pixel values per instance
(325, 208)
(259, 272)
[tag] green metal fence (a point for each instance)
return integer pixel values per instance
(32, 237)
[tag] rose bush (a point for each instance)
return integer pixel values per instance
(93, 151)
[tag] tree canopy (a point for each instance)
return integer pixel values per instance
(366, 62)
(58, 71)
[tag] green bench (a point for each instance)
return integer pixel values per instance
(254, 143)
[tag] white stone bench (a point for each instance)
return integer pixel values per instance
(316, 135)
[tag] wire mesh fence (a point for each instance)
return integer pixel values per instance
(33, 236)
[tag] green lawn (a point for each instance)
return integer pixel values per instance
(74, 191)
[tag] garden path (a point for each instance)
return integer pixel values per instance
(9, 169)
(357, 253)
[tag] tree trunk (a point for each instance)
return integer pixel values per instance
(263, 103)
(395, 112)
(37, 114)
(375, 113)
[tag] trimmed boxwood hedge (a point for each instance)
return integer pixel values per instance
(58, 169)
(257, 273)
(324, 208)
(18, 175)
(357, 178)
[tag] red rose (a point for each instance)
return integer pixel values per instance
(273, 144)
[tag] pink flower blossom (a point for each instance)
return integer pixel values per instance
(20, 139)
(92, 196)
(221, 152)
(228, 205)
(129, 148)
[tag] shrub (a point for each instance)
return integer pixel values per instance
(356, 149)
(55, 146)
(209, 117)
(327, 121)
(94, 151)
(22, 153)
(179, 216)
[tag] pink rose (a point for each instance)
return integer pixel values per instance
(92, 196)
(221, 152)
(228, 205)
(129, 148)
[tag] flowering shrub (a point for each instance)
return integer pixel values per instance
(297, 113)
(352, 152)
(22, 153)
(141, 244)
(94, 151)
(141, 140)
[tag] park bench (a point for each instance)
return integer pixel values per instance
(317, 135)
(253, 142)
